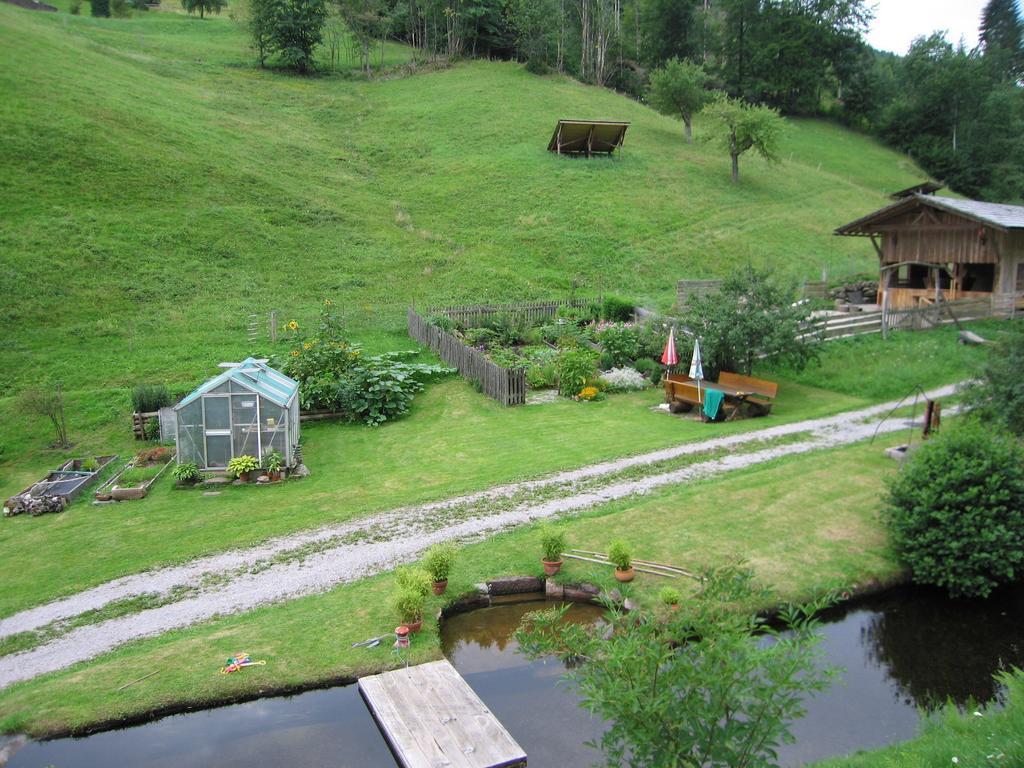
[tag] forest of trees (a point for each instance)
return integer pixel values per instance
(957, 110)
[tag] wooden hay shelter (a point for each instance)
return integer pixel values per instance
(587, 137)
(933, 249)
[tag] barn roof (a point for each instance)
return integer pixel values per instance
(587, 136)
(924, 188)
(257, 377)
(998, 215)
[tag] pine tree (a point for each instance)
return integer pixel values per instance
(1002, 36)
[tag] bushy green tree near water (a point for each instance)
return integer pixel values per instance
(955, 512)
(708, 687)
(998, 393)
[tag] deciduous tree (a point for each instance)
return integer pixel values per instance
(738, 127)
(752, 316)
(707, 687)
(203, 6)
(678, 89)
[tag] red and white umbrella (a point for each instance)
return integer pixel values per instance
(669, 356)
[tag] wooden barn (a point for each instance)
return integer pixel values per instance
(933, 248)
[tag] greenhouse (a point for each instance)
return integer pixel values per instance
(249, 410)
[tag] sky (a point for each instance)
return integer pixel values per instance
(898, 22)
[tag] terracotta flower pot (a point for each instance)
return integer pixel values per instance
(440, 586)
(626, 575)
(243, 476)
(414, 626)
(551, 567)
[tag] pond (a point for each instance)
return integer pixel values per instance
(906, 649)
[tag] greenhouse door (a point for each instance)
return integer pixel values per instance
(217, 418)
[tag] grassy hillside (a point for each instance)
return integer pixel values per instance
(159, 189)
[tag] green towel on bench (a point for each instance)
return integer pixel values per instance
(712, 403)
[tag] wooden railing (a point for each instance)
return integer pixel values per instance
(506, 385)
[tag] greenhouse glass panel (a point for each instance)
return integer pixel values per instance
(273, 429)
(221, 389)
(245, 425)
(218, 451)
(218, 412)
(190, 435)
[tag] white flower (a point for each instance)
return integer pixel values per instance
(956, 760)
(624, 379)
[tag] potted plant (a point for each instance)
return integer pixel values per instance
(273, 461)
(186, 474)
(439, 561)
(552, 542)
(669, 597)
(619, 554)
(241, 466)
(413, 586)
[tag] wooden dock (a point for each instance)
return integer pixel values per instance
(433, 719)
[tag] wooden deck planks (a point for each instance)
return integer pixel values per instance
(433, 719)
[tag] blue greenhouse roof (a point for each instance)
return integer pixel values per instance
(255, 376)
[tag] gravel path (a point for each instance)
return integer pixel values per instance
(326, 557)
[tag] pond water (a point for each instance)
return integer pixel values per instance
(903, 650)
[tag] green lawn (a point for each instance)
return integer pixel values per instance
(454, 441)
(167, 189)
(771, 514)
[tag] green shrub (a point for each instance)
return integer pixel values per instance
(505, 357)
(650, 368)
(100, 8)
(408, 604)
(618, 553)
(574, 367)
(998, 394)
(552, 543)
(151, 431)
(413, 579)
(509, 328)
(381, 388)
(669, 596)
(120, 9)
(621, 343)
(444, 322)
(147, 398)
(75, 8)
(541, 376)
(956, 510)
(476, 337)
(439, 561)
(186, 473)
(242, 464)
(273, 461)
(617, 309)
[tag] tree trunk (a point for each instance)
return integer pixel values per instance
(735, 167)
(201, 10)
(688, 122)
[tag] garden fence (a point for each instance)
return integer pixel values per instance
(506, 385)
(476, 315)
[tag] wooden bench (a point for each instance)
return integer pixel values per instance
(682, 394)
(761, 393)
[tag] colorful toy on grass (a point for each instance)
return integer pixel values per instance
(238, 661)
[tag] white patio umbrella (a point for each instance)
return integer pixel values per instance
(696, 367)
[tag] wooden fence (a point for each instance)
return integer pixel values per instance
(506, 385)
(915, 319)
(476, 315)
